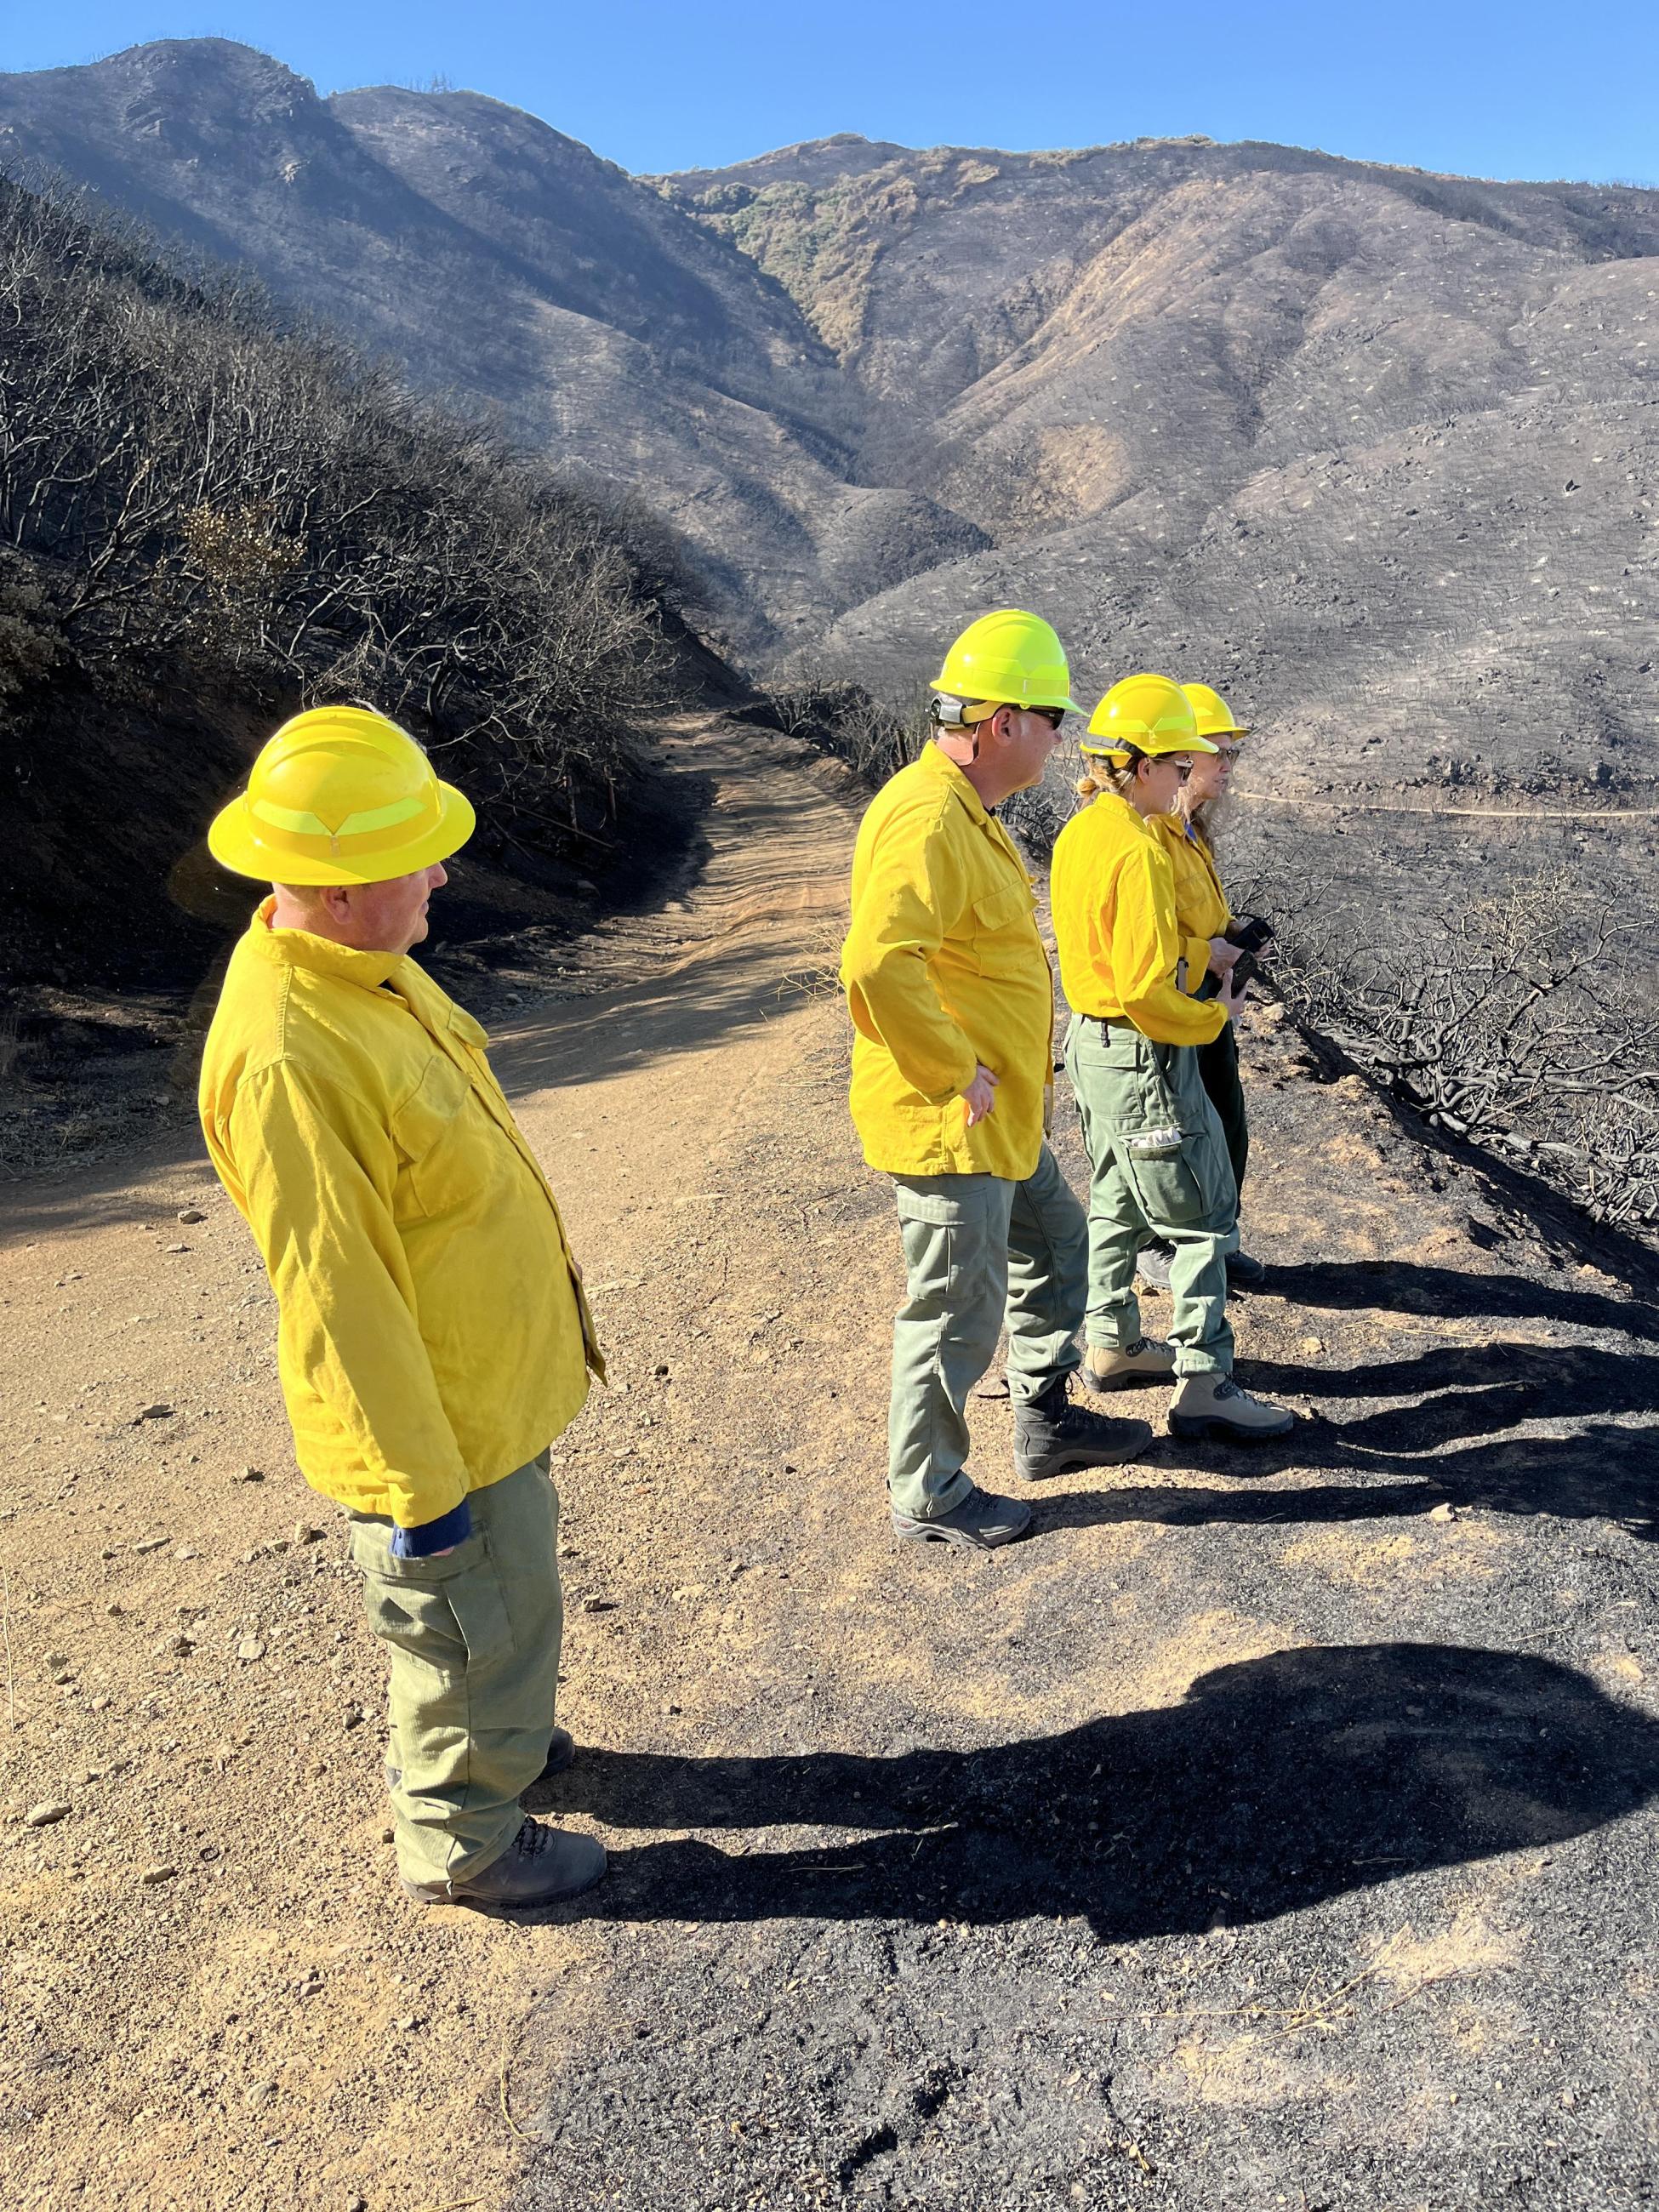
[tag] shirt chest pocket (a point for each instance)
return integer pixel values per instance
(1002, 926)
(443, 1154)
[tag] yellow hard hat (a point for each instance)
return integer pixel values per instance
(1147, 714)
(340, 795)
(1213, 715)
(1006, 659)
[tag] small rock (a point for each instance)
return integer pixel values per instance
(598, 1605)
(354, 1717)
(43, 1816)
(190, 1215)
(387, 1835)
(155, 1412)
(115, 1609)
(186, 1551)
(662, 1370)
(250, 1649)
(1447, 1512)
(305, 1533)
(152, 1876)
(175, 1248)
(153, 1544)
(176, 1647)
(357, 2204)
(1313, 1344)
(670, 1709)
(102, 1705)
(249, 1475)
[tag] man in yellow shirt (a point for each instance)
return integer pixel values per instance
(952, 1006)
(433, 1336)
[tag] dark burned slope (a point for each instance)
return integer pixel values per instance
(1376, 447)
(497, 258)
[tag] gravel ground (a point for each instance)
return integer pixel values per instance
(1268, 1829)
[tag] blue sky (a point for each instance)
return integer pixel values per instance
(1522, 89)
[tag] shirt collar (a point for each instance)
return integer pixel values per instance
(320, 956)
(940, 764)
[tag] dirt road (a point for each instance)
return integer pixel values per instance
(1267, 1833)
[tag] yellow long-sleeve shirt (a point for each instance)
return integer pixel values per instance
(1200, 903)
(1112, 892)
(944, 969)
(433, 1334)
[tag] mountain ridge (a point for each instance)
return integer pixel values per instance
(1374, 444)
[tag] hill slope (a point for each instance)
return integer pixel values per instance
(1374, 447)
(497, 258)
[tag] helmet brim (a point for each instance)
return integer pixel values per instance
(1148, 752)
(235, 842)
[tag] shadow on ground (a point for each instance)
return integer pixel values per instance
(1402, 1286)
(1451, 1436)
(1277, 1783)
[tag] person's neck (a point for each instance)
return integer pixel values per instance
(987, 789)
(289, 914)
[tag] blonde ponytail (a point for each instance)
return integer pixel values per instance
(1105, 772)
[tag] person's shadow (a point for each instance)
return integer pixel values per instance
(1395, 1457)
(1276, 1783)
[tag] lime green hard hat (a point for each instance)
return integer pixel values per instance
(1006, 659)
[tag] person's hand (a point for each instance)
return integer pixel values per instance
(981, 1094)
(1227, 997)
(1222, 955)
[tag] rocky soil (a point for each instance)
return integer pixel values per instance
(1267, 1830)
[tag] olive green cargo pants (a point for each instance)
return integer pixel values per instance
(473, 1638)
(1218, 1069)
(979, 1251)
(1158, 1162)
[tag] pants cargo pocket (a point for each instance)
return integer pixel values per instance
(1165, 1168)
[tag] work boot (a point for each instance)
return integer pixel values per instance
(980, 1523)
(561, 1753)
(1245, 1271)
(1214, 1406)
(1051, 1435)
(1152, 1265)
(1142, 1361)
(540, 1866)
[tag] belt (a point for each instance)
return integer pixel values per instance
(1108, 1021)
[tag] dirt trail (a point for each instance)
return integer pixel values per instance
(1254, 1834)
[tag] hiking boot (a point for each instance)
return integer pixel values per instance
(1152, 1265)
(1245, 1271)
(561, 1753)
(1051, 1435)
(980, 1523)
(1214, 1406)
(1142, 1361)
(540, 1866)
